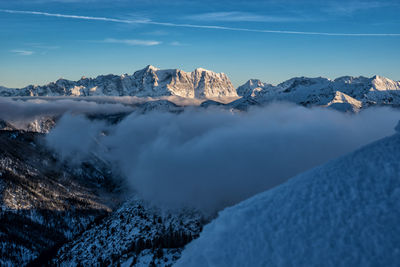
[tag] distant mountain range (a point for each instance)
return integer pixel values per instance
(345, 93)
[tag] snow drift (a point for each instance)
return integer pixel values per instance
(210, 159)
(344, 213)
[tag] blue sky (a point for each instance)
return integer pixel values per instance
(270, 40)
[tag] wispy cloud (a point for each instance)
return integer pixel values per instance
(351, 7)
(157, 33)
(57, 1)
(72, 16)
(176, 43)
(132, 42)
(46, 47)
(194, 26)
(22, 52)
(242, 16)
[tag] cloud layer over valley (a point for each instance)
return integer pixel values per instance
(210, 159)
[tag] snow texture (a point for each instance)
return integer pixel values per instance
(343, 213)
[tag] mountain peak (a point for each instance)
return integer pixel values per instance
(253, 87)
(378, 77)
(151, 68)
(381, 83)
(344, 102)
(202, 70)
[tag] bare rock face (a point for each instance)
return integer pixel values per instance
(148, 82)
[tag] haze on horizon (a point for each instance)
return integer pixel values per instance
(43, 40)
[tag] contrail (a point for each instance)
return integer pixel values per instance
(168, 24)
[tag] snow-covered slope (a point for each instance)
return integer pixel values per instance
(38, 125)
(43, 201)
(343, 213)
(136, 234)
(6, 126)
(343, 102)
(148, 82)
(360, 92)
(41, 125)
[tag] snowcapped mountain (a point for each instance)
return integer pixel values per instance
(148, 82)
(343, 213)
(253, 87)
(344, 103)
(354, 92)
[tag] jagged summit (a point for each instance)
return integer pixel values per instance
(351, 79)
(151, 67)
(148, 82)
(200, 70)
(252, 87)
(343, 102)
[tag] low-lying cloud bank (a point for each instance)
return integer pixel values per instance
(19, 109)
(210, 159)
(20, 112)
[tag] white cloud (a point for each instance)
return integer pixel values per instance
(195, 26)
(46, 47)
(351, 7)
(132, 42)
(23, 52)
(176, 43)
(210, 159)
(73, 16)
(158, 33)
(241, 16)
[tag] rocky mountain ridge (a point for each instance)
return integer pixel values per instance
(355, 92)
(148, 82)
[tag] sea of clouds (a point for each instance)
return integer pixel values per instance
(213, 158)
(202, 158)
